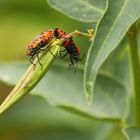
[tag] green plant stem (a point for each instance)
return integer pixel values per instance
(89, 35)
(135, 65)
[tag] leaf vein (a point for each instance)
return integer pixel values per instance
(113, 24)
(93, 7)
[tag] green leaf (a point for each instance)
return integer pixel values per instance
(132, 133)
(119, 57)
(121, 14)
(63, 88)
(82, 10)
(41, 117)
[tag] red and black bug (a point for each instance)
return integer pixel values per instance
(36, 46)
(43, 39)
(70, 47)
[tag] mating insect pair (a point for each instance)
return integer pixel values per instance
(45, 38)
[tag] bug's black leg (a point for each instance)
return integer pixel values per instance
(63, 51)
(49, 44)
(42, 49)
(38, 59)
(71, 64)
(47, 49)
(31, 60)
(63, 55)
(60, 53)
(51, 53)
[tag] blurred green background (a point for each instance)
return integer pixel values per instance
(32, 118)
